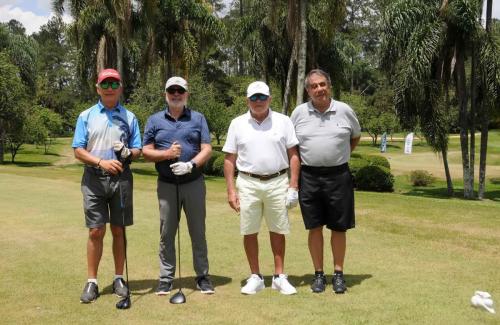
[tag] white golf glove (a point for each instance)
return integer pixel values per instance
(181, 168)
(120, 149)
(292, 198)
(484, 300)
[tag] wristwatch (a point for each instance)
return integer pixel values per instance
(193, 163)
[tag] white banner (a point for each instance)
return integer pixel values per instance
(408, 143)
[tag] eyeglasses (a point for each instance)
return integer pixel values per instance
(173, 90)
(260, 97)
(112, 84)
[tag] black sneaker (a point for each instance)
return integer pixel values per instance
(319, 283)
(90, 293)
(164, 288)
(339, 283)
(205, 285)
(120, 288)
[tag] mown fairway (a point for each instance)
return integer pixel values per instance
(411, 259)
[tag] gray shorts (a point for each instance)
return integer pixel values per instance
(106, 198)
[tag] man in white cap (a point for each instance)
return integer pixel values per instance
(177, 139)
(107, 138)
(261, 144)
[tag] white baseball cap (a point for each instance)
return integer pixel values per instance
(257, 87)
(176, 81)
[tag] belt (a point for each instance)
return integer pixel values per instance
(265, 177)
(325, 170)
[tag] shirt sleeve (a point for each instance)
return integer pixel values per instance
(353, 120)
(135, 136)
(230, 144)
(205, 132)
(149, 132)
(291, 138)
(80, 138)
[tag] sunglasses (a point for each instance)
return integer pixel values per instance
(260, 97)
(179, 90)
(112, 84)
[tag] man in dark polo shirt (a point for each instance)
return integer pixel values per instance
(328, 131)
(177, 139)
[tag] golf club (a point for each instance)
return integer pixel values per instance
(179, 297)
(125, 302)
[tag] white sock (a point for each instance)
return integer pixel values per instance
(118, 276)
(92, 280)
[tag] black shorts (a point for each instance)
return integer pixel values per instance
(326, 197)
(107, 198)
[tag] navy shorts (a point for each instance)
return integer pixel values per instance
(326, 197)
(107, 198)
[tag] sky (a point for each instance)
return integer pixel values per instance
(35, 13)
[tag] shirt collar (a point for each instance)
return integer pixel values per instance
(331, 108)
(249, 116)
(185, 112)
(102, 108)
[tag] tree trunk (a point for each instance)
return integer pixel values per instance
(449, 183)
(119, 48)
(101, 54)
(473, 112)
(289, 76)
(240, 48)
(301, 60)
(463, 118)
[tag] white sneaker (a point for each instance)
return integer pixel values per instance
(281, 283)
(254, 285)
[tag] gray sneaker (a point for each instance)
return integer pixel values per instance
(164, 288)
(90, 293)
(120, 288)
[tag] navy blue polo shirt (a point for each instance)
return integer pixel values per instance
(190, 130)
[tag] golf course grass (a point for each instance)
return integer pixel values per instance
(415, 256)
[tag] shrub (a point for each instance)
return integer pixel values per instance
(421, 178)
(208, 167)
(355, 164)
(495, 180)
(218, 166)
(374, 178)
(378, 161)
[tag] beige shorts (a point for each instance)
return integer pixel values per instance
(263, 199)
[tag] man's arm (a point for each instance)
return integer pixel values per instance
(354, 143)
(293, 157)
(203, 155)
(229, 169)
(151, 154)
(112, 166)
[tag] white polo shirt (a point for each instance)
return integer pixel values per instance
(325, 138)
(261, 148)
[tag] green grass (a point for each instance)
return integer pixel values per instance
(414, 257)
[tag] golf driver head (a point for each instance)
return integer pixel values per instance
(178, 298)
(125, 303)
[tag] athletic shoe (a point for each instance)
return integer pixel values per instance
(204, 284)
(319, 283)
(90, 293)
(254, 284)
(338, 283)
(120, 288)
(164, 288)
(281, 283)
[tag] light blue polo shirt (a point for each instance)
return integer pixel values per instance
(97, 128)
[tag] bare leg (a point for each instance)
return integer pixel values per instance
(251, 244)
(316, 247)
(278, 248)
(118, 248)
(338, 242)
(94, 250)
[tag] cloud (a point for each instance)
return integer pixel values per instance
(29, 19)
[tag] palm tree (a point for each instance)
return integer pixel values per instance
(425, 45)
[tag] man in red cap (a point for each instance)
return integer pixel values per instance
(106, 140)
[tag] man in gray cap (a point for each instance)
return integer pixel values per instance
(262, 145)
(177, 139)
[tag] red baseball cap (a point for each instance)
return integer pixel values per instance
(108, 73)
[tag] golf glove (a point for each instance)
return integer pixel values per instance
(123, 154)
(181, 168)
(292, 198)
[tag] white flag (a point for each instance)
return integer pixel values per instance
(383, 145)
(408, 143)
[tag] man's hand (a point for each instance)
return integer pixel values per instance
(234, 201)
(113, 167)
(181, 168)
(292, 198)
(122, 153)
(175, 150)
